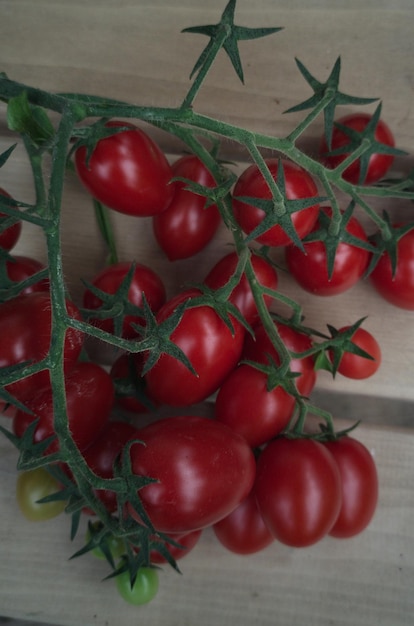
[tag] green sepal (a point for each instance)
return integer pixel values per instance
(328, 90)
(231, 35)
(386, 242)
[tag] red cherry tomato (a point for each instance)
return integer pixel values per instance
(356, 366)
(242, 296)
(104, 451)
(359, 481)
(298, 490)
(244, 531)
(298, 183)
(20, 268)
(127, 172)
(25, 331)
(378, 165)
(310, 268)
(211, 347)
(398, 288)
(203, 472)
(10, 236)
(246, 406)
(89, 400)
(187, 225)
(144, 281)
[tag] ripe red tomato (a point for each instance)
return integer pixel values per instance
(187, 225)
(209, 345)
(244, 531)
(359, 481)
(298, 183)
(398, 289)
(20, 268)
(298, 490)
(378, 165)
(25, 331)
(89, 399)
(10, 236)
(127, 369)
(242, 296)
(144, 281)
(245, 405)
(310, 268)
(259, 348)
(127, 172)
(104, 451)
(358, 367)
(204, 470)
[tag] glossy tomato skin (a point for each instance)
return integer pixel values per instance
(242, 296)
(298, 490)
(204, 471)
(379, 164)
(358, 367)
(245, 405)
(187, 226)
(127, 172)
(10, 236)
(244, 531)
(309, 268)
(102, 453)
(25, 331)
(397, 289)
(20, 268)
(144, 281)
(89, 400)
(359, 480)
(209, 345)
(298, 184)
(259, 348)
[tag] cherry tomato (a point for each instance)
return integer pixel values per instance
(359, 481)
(10, 236)
(207, 342)
(20, 268)
(127, 172)
(89, 400)
(187, 225)
(203, 471)
(356, 366)
(244, 531)
(298, 183)
(143, 590)
(246, 406)
(104, 451)
(25, 331)
(398, 289)
(127, 370)
(144, 281)
(378, 165)
(242, 296)
(260, 348)
(310, 268)
(32, 486)
(298, 490)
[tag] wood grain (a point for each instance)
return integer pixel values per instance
(133, 50)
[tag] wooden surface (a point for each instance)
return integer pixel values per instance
(134, 51)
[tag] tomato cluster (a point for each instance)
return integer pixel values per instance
(251, 472)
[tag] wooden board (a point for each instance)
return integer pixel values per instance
(133, 50)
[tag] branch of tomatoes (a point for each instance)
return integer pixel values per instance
(343, 168)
